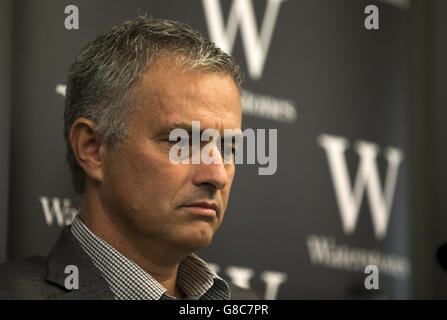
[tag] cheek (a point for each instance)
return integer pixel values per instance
(128, 175)
(154, 179)
(226, 191)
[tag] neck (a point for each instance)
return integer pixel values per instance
(160, 262)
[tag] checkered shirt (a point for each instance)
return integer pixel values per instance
(127, 281)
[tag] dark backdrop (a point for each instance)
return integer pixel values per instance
(325, 78)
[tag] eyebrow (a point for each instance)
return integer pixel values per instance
(166, 130)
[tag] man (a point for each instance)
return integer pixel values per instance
(142, 215)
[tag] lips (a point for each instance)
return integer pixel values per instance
(203, 208)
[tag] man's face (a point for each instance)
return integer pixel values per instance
(142, 189)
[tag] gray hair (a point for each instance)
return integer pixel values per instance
(103, 79)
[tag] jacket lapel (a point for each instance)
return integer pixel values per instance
(68, 252)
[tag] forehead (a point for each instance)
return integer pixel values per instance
(170, 94)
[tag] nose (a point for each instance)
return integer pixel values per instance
(215, 173)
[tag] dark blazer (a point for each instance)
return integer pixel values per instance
(44, 278)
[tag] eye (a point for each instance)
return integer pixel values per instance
(183, 143)
(176, 140)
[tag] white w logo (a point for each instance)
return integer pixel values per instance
(62, 213)
(242, 13)
(348, 199)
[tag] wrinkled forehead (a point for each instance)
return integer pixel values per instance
(170, 95)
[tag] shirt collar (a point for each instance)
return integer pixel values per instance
(195, 278)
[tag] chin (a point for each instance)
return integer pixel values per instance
(199, 240)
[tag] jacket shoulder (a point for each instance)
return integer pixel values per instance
(31, 268)
(20, 279)
(238, 293)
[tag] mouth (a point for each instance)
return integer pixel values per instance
(206, 209)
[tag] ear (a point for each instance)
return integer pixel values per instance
(88, 148)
